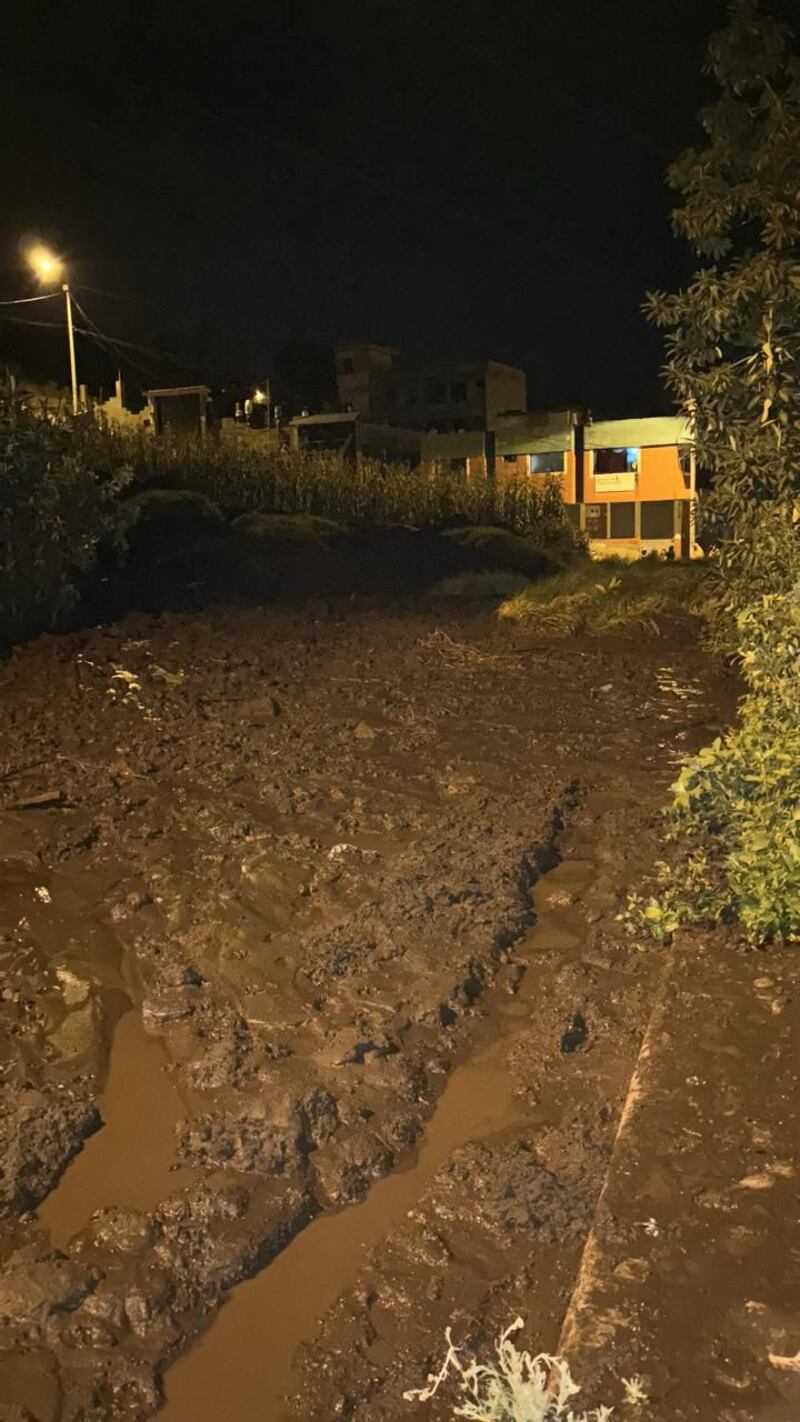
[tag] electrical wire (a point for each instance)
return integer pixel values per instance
(112, 346)
(27, 300)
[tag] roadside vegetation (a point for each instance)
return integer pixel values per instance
(612, 596)
(57, 509)
(734, 362)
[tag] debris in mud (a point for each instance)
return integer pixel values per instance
(45, 800)
(576, 1034)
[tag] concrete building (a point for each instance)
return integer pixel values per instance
(467, 395)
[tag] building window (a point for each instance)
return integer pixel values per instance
(346, 366)
(658, 519)
(623, 520)
(435, 392)
(550, 463)
(597, 520)
(458, 392)
(616, 461)
(509, 458)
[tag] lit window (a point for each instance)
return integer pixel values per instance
(616, 461)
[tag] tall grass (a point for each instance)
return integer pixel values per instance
(611, 595)
(371, 495)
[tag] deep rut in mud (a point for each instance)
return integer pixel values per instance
(303, 847)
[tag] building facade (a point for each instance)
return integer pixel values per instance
(630, 485)
(467, 395)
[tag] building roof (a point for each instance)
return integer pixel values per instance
(637, 434)
(335, 417)
(180, 390)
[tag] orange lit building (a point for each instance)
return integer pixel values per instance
(629, 484)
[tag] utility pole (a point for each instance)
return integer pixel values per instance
(73, 369)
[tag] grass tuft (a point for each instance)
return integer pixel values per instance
(611, 595)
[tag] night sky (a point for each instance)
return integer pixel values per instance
(454, 177)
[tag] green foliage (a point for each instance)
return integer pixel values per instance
(288, 528)
(56, 508)
(610, 596)
(736, 805)
(734, 332)
(490, 583)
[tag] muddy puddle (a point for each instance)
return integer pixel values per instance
(130, 1160)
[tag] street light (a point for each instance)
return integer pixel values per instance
(48, 267)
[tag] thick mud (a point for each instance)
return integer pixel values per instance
(310, 954)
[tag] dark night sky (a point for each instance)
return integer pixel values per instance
(474, 177)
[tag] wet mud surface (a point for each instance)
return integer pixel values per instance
(310, 954)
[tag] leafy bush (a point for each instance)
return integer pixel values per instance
(56, 509)
(612, 595)
(733, 356)
(736, 805)
(491, 582)
(173, 510)
(514, 1387)
(502, 549)
(289, 528)
(762, 556)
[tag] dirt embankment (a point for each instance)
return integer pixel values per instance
(301, 846)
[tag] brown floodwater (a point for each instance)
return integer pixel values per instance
(131, 1159)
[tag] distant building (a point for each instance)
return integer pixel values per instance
(630, 485)
(354, 438)
(466, 395)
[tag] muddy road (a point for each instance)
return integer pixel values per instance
(314, 995)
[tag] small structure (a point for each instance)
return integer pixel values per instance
(183, 412)
(352, 437)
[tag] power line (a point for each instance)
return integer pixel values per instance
(108, 344)
(27, 300)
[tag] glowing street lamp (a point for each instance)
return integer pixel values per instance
(48, 267)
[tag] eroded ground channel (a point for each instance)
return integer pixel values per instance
(317, 1016)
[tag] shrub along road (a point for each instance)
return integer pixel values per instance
(286, 861)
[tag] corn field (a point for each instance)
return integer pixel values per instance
(371, 495)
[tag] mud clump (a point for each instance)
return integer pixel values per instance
(40, 1130)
